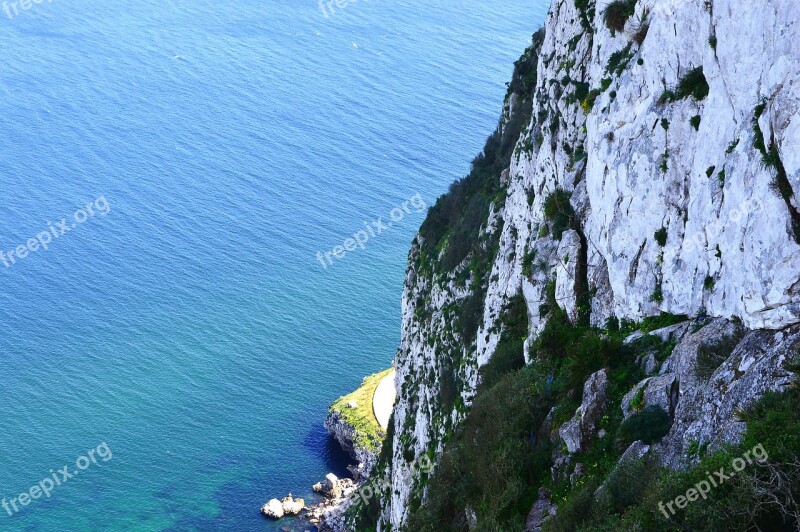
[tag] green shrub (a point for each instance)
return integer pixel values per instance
(661, 236)
(509, 355)
(665, 319)
(637, 403)
(658, 295)
(695, 122)
(619, 60)
(558, 210)
(588, 103)
(490, 464)
(664, 165)
(762, 497)
(709, 283)
(455, 220)
(667, 96)
(617, 14)
(649, 426)
(693, 84)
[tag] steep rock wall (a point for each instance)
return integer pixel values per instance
(673, 203)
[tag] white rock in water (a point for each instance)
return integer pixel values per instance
(292, 506)
(273, 509)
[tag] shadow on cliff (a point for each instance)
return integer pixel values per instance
(322, 444)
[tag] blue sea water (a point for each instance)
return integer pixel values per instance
(191, 327)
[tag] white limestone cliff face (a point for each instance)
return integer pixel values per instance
(633, 166)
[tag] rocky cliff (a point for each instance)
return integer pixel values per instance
(645, 166)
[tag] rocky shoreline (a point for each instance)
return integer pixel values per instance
(352, 423)
(326, 516)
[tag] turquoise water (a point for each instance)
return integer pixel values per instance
(187, 323)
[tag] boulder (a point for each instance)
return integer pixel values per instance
(273, 509)
(705, 409)
(292, 506)
(577, 432)
(541, 512)
(332, 487)
(656, 391)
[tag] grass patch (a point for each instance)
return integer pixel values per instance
(356, 410)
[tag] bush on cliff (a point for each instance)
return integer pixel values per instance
(491, 463)
(763, 496)
(453, 224)
(649, 426)
(617, 14)
(510, 353)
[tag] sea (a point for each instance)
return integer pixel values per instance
(205, 215)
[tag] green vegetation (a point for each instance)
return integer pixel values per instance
(658, 294)
(356, 410)
(509, 355)
(454, 222)
(764, 496)
(693, 84)
(664, 164)
(771, 158)
(695, 122)
(586, 8)
(661, 236)
(649, 426)
(619, 60)
(661, 321)
(758, 135)
(500, 457)
(712, 41)
(617, 14)
(637, 403)
(558, 211)
(708, 283)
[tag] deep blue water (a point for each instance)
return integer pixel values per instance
(191, 327)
